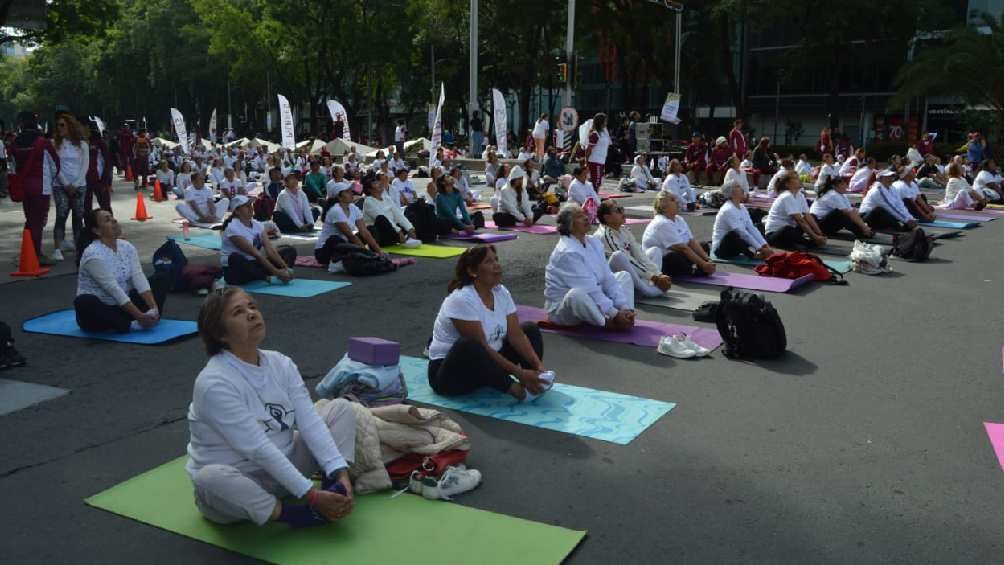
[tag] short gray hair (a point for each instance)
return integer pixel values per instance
(729, 187)
(565, 217)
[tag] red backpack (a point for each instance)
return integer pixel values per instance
(796, 264)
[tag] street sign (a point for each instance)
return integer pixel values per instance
(568, 120)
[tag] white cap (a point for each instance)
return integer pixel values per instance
(517, 172)
(720, 141)
(238, 201)
(886, 173)
(339, 187)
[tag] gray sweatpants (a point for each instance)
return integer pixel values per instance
(225, 495)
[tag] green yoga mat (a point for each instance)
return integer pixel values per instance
(838, 265)
(426, 250)
(381, 529)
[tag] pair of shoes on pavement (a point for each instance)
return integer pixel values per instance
(454, 480)
(681, 347)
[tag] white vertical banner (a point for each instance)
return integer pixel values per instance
(671, 108)
(501, 122)
(437, 126)
(339, 114)
(179, 129)
(286, 123)
(212, 127)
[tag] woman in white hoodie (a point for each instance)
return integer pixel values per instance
(642, 175)
(514, 203)
(384, 217)
(71, 182)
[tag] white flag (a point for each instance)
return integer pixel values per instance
(338, 114)
(286, 123)
(671, 108)
(584, 133)
(212, 127)
(501, 122)
(100, 123)
(179, 128)
(437, 127)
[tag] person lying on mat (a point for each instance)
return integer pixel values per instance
(198, 206)
(343, 223)
(451, 208)
(625, 254)
(883, 209)
(788, 223)
(908, 191)
(293, 213)
(735, 233)
(668, 241)
(383, 214)
(677, 183)
(579, 286)
(255, 437)
(477, 340)
(958, 194)
(246, 254)
(514, 203)
(833, 212)
(112, 292)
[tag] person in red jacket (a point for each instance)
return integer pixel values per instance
(141, 160)
(99, 171)
(719, 161)
(126, 139)
(926, 145)
(825, 143)
(36, 165)
(696, 157)
(737, 140)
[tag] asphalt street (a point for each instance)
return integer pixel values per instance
(863, 444)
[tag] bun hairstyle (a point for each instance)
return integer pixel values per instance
(468, 261)
(832, 182)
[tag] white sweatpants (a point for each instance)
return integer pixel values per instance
(620, 261)
(225, 495)
(578, 307)
(220, 210)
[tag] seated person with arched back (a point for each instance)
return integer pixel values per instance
(198, 206)
(579, 286)
(343, 223)
(477, 340)
(514, 203)
(909, 192)
(959, 195)
(677, 183)
(833, 212)
(883, 209)
(246, 254)
(451, 210)
(112, 292)
(255, 437)
(668, 241)
(293, 213)
(789, 224)
(384, 216)
(625, 254)
(734, 233)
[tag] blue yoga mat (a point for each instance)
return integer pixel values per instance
(203, 240)
(598, 414)
(297, 288)
(838, 265)
(950, 225)
(64, 322)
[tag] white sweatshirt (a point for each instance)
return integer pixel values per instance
(296, 206)
(519, 208)
(573, 265)
(385, 206)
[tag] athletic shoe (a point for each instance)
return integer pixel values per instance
(46, 261)
(675, 346)
(547, 379)
(453, 482)
(56, 255)
(693, 346)
(412, 243)
(202, 292)
(336, 267)
(67, 246)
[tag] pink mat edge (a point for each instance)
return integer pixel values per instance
(995, 433)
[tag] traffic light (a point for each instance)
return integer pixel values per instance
(562, 72)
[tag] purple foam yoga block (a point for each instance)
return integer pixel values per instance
(374, 351)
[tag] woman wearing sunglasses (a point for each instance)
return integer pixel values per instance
(624, 253)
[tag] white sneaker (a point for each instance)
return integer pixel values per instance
(675, 346)
(547, 379)
(219, 283)
(453, 482)
(412, 243)
(67, 246)
(56, 255)
(336, 267)
(698, 350)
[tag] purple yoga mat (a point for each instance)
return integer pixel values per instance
(538, 229)
(482, 237)
(644, 333)
(749, 282)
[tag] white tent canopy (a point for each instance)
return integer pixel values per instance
(339, 148)
(313, 147)
(242, 142)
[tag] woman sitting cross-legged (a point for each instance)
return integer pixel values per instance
(579, 286)
(293, 212)
(383, 214)
(909, 192)
(451, 209)
(882, 208)
(246, 254)
(477, 340)
(343, 223)
(112, 292)
(677, 183)
(514, 203)
(735, 233)
(255, 437)
(833, 212)
(625, 254)
(668, 241)
(789, 224)
(959, 195)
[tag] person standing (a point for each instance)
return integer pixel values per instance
(36, 164)
(400, 135)
(99, 171)
(477, 132)
(540, 129)
(596, 152)
(140, 160)
(71, 182)
(737, 140)
(126, 139)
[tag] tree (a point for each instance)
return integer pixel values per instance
(65, 20)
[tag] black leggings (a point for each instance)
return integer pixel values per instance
(286, 224)
(675, 263)
(914, 208)
(241, 270)
(837, 220)
(732, 246)
(788, 237)
(335, 248)
(468, 367)
(384, 232)
(880, 219)
(96, 316)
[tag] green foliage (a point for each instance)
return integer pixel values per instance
(66, 20)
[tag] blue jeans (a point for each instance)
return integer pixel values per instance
(476, 139)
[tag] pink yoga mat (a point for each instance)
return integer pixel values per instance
(309, 262)
(539, 229)
(996, 434)
(644, 333)
(749, 282)
(481, 237)
(632, 221)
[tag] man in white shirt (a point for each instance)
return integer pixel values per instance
(883, 209)
(908, 191)
(198, 206)
(400, 135)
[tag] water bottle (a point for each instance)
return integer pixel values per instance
(185, 230)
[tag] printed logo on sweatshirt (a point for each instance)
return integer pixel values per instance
(279, 414)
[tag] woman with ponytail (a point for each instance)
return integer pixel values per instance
(833, 211)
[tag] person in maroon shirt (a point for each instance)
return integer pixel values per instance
(719, 161)
(825, 143)
(696, 157)
(99, 179)
(737, 140)
(126, 138)
(926, 145)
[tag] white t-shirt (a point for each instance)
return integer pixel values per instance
(335, 216)
(237, 228)
(540, 129)
(600, 148)
(581, 191)
(199, 196)
(781, 211)
(400, 132)
(664, 233)
(829, 203)
(680, 187)
(465, 304)
(905, 190)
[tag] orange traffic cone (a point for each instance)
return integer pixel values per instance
(28, 265)
(141, 214)
(158, 192)
(128, 172)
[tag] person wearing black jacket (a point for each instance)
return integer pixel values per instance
(99, 171)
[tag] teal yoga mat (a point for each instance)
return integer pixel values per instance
(608, 416)
(297, 288)
(203, 240)
(950, 225)
(838, 265)
(64, 322)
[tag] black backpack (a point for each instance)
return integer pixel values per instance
(169, 261)
(363, 263)
(749, 325)
(423, 217)
(913, 246)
